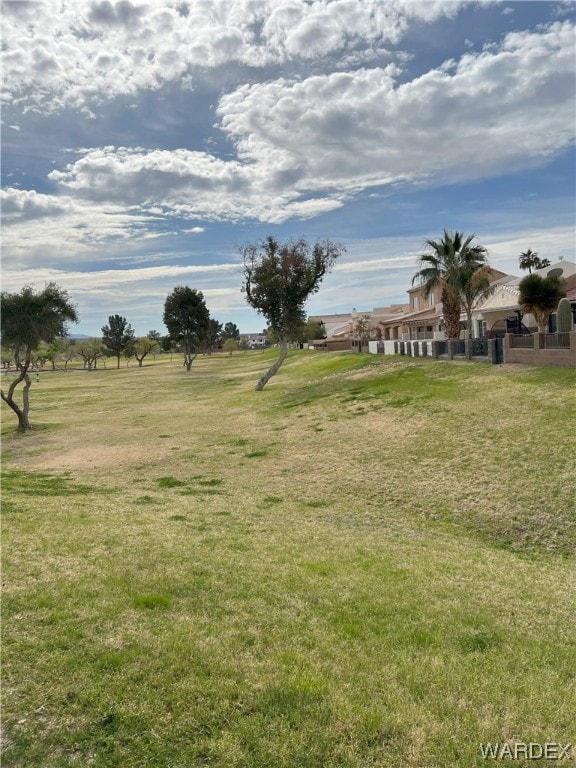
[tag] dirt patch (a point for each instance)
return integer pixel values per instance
(102, 457)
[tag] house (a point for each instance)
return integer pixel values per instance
(420, 320)
(353, 329)
(424, 320)
(500, 313)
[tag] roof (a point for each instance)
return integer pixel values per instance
(424, 314)
(561, 268)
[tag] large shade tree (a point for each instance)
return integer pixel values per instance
(27, 319)
(449, 266)
(187, 319)
(278, 279)
(539, 296)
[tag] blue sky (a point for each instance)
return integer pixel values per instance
(143, 143)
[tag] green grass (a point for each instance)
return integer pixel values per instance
(369, 563)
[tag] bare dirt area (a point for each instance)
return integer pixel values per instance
(85, 458)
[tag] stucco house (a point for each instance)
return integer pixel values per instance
(500, 312)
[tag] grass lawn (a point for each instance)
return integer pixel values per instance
(369, 563)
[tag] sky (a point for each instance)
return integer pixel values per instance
(145, 143)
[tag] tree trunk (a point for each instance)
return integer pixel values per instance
(274, 368)
(469, 323)
(118, 366)
(21, 413)
(451, 311)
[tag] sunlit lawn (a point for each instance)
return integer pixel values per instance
(370, 563)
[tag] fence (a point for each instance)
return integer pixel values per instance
(556, 341)
(483, 349)
(526, 341)
(541, 349)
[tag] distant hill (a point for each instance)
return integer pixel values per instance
(74, 336)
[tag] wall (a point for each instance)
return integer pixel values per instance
(565, 358)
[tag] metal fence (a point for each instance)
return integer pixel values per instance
(479, 347)
(557, 341)
(526, 341)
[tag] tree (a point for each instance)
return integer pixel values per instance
(231, 331)
(311, 330)
(213, 336)
(476, 289)
(230, 345)
(187, 318)
(27, 319)
(90, 350)
(539, 296)
(155, 336)
(361, 329)
(530, 260)
(117, 336)
(278, 279)
(142, 346)
(449, 266)
(52, 350)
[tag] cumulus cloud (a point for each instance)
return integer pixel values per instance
(305, 147)
(187, 184)
(78, 53)
(509, 105)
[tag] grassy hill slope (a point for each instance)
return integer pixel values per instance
(369, 563)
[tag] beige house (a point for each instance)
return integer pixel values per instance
(501, 311)
(421, 318)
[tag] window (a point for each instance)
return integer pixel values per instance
(431, 301)
(415, 302)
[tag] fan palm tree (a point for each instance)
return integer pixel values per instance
(539, 296)
(450, 266)
(530, 260)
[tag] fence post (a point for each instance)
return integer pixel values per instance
(493, 349)
(435, 350)
(424, 349)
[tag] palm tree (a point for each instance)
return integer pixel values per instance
(539, 296)
(530, 260)
(450, 267)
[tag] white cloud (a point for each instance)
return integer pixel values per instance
(37, 226)
(506, 108)
(80, 52)
(105, 280)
